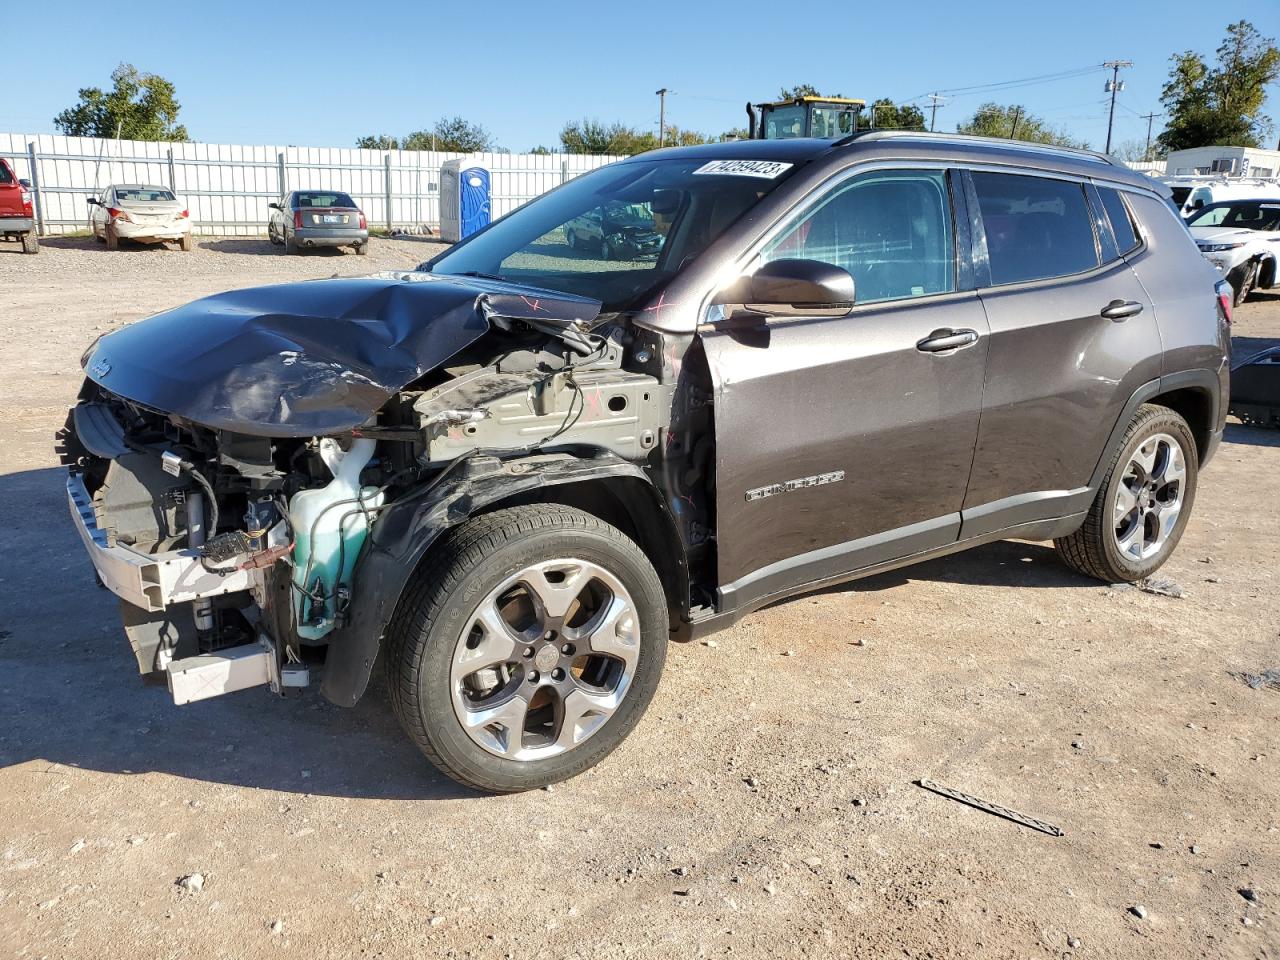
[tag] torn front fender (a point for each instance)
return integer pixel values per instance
(312, 358)
(409, 527)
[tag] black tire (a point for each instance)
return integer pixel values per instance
(291, 245)
(186, 242)
(113, 241)
(1093, 550)
(30, 242)
(470, 561)
(606, 252)
(1243, 279)
(362, 249)
(571, 239)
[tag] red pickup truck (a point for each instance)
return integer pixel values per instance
(17, 222)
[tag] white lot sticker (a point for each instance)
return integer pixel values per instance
(764, 169)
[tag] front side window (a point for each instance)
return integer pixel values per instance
(891, 230)
(1121, 221)
(1036, 227)
(5, 175)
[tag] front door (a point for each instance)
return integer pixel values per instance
(843, 442)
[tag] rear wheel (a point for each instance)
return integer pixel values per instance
(1142, 507)
(291, 245)
(113, 241)
(606, 251)
(186, 243)
(30, 242)
(571, 238)
(362, 249)
(528, 648)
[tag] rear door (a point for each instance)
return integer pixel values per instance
(842, 442)
(1073, 334)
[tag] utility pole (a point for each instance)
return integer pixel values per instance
(1146, 153)
(662, 116)
(1114, 86)
(934, 102)
(1013, 128)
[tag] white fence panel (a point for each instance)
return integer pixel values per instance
(227, 186)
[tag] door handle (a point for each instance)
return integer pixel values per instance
(942, 340)
(1119, 310)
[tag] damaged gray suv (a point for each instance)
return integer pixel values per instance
(514, 474)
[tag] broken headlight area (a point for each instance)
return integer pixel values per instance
(236, 556)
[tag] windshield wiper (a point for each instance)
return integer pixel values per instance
(482, 276)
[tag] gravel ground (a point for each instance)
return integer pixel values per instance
(765, 806)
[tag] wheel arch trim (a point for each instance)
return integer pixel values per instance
(402, 536)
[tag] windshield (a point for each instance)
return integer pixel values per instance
(1240, 215)
(142, 194)
(325, 200)
(619, 232)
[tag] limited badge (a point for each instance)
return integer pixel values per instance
(800, 483)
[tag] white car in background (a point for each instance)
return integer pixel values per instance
(1242, 239)
(134, 211)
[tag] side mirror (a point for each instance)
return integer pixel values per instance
(91, 201)
(25, 183)
(273, 206)
(791, 288)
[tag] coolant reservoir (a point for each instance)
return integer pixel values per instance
(329, 528)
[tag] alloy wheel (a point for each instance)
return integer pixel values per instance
(545, 659)
(1150, 497)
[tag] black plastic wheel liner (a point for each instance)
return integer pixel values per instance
(311, 358)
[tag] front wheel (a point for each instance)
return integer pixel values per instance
(1142, 507)
(1243, 280)
(528, 647)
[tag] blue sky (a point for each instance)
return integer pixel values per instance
(322, 73)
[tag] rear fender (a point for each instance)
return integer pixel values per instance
(408, 528)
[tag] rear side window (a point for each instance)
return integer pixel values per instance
(5, 175)
(1036, 227)
(1121, 220)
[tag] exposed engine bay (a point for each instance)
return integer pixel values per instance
(229, 505)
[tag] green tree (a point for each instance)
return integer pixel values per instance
(378, 141)
(805, 90)
(462, 136)
(1013, 122)
(1222, 104)
(618, 139)
(540, 151)
(139, 106)
(884, 114)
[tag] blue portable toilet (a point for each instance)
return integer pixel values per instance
(464, 198)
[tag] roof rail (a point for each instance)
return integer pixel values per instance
(966, 138)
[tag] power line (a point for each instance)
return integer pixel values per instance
(935, 101)
(1009, 84)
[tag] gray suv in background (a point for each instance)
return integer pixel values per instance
(512, 475)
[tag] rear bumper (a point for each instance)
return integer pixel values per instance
(329, 236)
(16, 224)
(150, 581)
(151, 231)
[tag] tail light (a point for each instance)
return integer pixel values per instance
(1225, 297)
(364, 224)
(26, 202)
(184, 215)
(297, 219)
(117, 214)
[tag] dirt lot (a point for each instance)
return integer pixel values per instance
(765, 806)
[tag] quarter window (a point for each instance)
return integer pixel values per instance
(1036, 227)
(891, 230)
(1121, 222)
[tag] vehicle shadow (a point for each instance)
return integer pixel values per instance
(70, 693)
(1004, 563)
(1251, 436)
(94, 246)
(253, 247)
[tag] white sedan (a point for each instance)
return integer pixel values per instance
(133, 211)
(1242, 239)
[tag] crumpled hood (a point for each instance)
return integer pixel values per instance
(311, 358)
